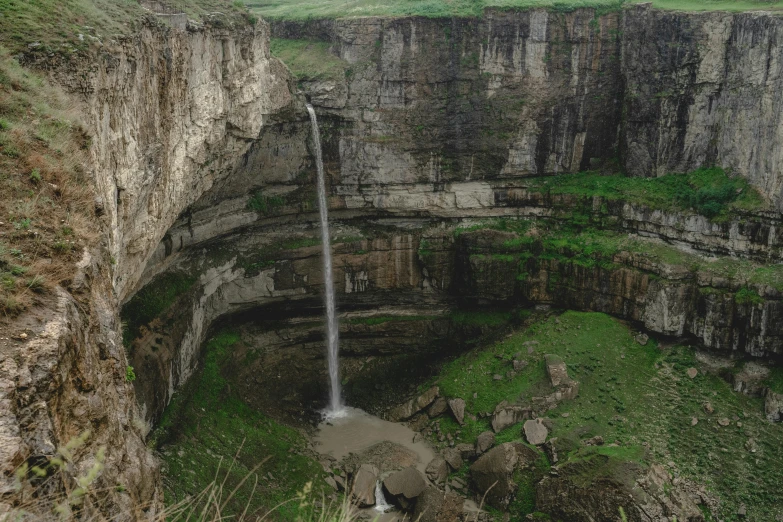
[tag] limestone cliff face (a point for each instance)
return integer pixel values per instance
(702, 89)
(440, 112)
(432, 114)
(170, 111)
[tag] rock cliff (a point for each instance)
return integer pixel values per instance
(169, 112)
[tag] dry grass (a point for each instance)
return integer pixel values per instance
(46, 204)
(50, 490)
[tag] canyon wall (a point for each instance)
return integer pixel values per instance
(703, 89)
(431, 123)
(169, 112)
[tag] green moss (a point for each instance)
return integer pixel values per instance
(264, 204)
(775, 379)
(152, 301)
(481, 317)
(748, 296)
(709, 192)
(207, 427)
(373, 321)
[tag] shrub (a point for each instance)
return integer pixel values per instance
(130, 374)
(748, 296)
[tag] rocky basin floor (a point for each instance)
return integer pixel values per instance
(570, 416)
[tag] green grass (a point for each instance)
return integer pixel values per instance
(481, 317)
(631, 395)
(775, 380)
(152, 301)
(264, 204)
(309, 59)
(709, 192)
(314, 9)
(372, 321)
(207, 426)
(56, 24)
(590, 247)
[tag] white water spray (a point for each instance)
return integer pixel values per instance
(380, 499)
(335, 408)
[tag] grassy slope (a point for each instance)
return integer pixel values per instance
(304, 9)
(26, 21)
(633, 395)
(45, 210)
(207, 426)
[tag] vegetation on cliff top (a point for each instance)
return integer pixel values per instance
(634, 396)
(45, 203)
(314, 9)
(66, 27)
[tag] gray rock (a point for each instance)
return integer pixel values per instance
(508, 416)
(453, 457)
(332, 483)
(412, 407)
(466, 451)
(404, 486)
(458, 410)
(556, 369)
(773, 406)
(438, 407)
(363, 487)
(435, 506)
(437, 470)
(535, 432)
(493, 472)
(642, 339)
(519, 365)
(484, 442)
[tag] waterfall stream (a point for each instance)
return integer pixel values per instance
(335, 407)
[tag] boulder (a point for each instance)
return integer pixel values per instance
(404, 486)
(412, 407)
(642, 339)
(596, 487)
(437, 470)
(750, 379)
(363, 487)
(433, 505)
(484, 442)
(535, 432)
(466, 451)
(458, 410)
(493, 472)
(438, 407)
(773, 406)
(386, 456)
(556, 369)
(508, 416)
(453, 457)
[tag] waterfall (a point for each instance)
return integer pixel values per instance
(333, 347)
(380, 499)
